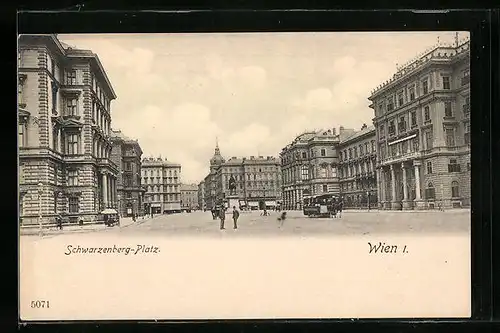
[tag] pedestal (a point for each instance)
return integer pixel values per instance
(381, 205)
(407, 205)
(387, 205)
(419, 204)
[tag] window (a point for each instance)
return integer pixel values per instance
(453, 166)
(382, 151)
(334, 172)
(390, 104)
(466, 107)
(73, 204)
(450, 137)
(412, 93)
(413, 118)
(415, 144)
(429, 167)
(361, 151)
(402, 124)
(447, 109)
(467, 133)
(427, 114)
(128, 166)
(304, 155)
(454, 189)
(71, 106)
(305, 172)
(404, 147)
(22, 137)
(446, 82)
(72, 146)
(392, 128)
(325, 188)
(323, 172)
(430, 192)
(72, 177)
(400, 99)
(381, 109)
(71, 77)
(382, 131)
(350, 153)
(355, 152)
(465, 77)
(425, 86)
(323, 152)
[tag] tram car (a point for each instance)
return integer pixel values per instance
(320, 205)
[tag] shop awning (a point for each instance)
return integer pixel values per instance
(155, 205)
(270, 203)
(108, 211)
(253, 204)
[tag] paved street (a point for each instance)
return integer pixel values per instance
(351, 223)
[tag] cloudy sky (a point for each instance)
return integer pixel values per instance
(255, 92)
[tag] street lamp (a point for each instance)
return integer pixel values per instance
(40, 192)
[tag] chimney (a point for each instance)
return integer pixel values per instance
(341, 129)
(363, 127)
(334, 131)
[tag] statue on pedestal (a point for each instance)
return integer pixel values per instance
(232, 186)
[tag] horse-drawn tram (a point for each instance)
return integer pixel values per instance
(320, 205)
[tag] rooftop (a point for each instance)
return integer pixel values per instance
(357, 134)
(438, 52)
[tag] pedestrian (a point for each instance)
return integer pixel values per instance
(222, 216)
(236, 215)
(59, 221)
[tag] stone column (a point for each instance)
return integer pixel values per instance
(394, 202)
(380, 197)
(105, 189)
(59, 140)
(406, 202)
(419, 204)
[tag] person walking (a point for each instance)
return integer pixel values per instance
(222, 216)
(59, 221)
(236, 215)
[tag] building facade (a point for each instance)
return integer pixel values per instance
(422, 121)
(255, 181)
(162, 182)
(127, 154)
(189, 196)
(357, 168)
(64, 123)
(309, 166)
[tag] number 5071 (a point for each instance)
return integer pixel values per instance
(40, 304)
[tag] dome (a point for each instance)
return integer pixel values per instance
(217, 159)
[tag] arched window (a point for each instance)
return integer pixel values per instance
(455, 193)
(323, 171)
(305, 172)
(430, 191)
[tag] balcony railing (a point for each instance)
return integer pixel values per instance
(400, 158)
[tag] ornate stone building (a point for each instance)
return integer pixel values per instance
(162, 181)
(127, 153)
(256, 180)
(422, 121)
(201, 195)
(309, 166)
(357, 167)
(64, 113)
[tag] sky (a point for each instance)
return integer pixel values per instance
(254, 92)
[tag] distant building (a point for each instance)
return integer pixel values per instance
(256, 181)
(189, 196)
(127, 153)
(422, 121)
(64, 124)
(162, 181)
(309, 165)
(357, 167)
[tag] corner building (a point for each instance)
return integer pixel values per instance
(64, 123)
(422, 121)
(357, 167)
(127, 153)
(309, 166)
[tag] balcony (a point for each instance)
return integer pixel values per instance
(466, 110)
(398, 158)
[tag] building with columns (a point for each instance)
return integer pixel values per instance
(64, 122)
(189, 196)
(309, 166)
(162, 181)
(127, 154)
(357, 167)
(422, 121)
(256, 179)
